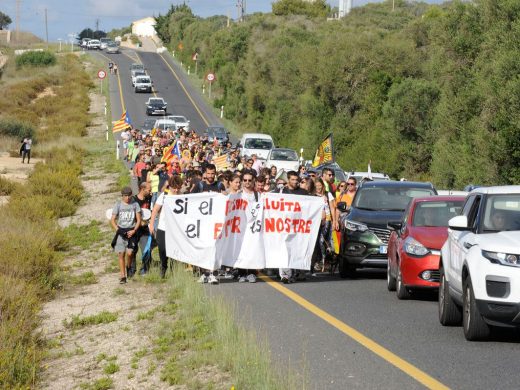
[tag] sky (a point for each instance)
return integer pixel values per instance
(66, 17)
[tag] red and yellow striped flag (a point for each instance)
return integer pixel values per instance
(122, 124)
(221, 162)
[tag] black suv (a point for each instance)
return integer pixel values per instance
(156, 105)
(364, 230)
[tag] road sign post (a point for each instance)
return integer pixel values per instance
(195, 57)
(101, 74)
(210, 77)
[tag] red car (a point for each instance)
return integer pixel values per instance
(415, 243)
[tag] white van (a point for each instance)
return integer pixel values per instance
(256, 143)
(165, 124)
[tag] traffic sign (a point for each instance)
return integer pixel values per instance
(210, 77)
(101, 74)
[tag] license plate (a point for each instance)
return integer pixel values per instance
(383, 249)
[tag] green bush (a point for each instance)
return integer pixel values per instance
(15, 128)
(36, 58)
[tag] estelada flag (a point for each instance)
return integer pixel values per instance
(221, 162)
(170, 154)
(324, 153)
(122, 124)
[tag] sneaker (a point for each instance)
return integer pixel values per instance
(203, 279)
(285, 280)
(251, 278)
(242, 279)
(122, 281)
(212, 279)
(142, 272)
(229, 275)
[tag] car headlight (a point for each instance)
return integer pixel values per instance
(355, 226)
(502, 258)
(414, 247)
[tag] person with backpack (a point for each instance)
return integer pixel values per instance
(126, 221)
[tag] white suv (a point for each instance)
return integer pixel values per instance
(480, 263)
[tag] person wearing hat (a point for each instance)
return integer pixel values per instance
(126, 220)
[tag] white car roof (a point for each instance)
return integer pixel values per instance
(497, 190)
(257, 135)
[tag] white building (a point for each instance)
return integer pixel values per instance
(344, 7)
(144, 27)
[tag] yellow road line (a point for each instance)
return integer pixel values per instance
(185, 91)
(118, 82)
(366, 342)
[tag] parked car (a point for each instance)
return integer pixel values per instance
(148, 125)
(164, 124)
(218, 133)
(415, 243)
(480, 263)
(364, 230)
(286, 159)
(256, 143)
(156, 105)
(104, 43)
(136, 66)
(112, 48)
(94, 44)
(180, 121)
(143, 84)
(359, 176)
(136, 73)
(339, 173)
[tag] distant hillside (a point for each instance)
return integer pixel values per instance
(24, 38)
(427, 92)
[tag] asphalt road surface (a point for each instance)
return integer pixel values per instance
(338, 334)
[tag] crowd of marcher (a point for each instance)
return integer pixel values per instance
(182, 162)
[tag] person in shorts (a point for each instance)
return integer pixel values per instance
(126, 220)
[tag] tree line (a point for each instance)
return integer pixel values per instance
(425, 92)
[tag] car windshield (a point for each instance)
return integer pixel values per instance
(155, 101)
(143, 80)
(179, 118)
(435, 213)
(258, 143)
(284, 155)
(148, 124)
(112, 44)
(388, 198)
(502, 212)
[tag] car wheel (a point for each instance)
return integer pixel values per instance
(346, 270)
(449, 311)
(402, 290)
(475, 328)
(390, 280)
(135, 90)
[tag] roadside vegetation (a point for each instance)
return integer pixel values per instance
(424, 92)
(31, 241)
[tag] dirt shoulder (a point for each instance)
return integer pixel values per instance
(99, 333)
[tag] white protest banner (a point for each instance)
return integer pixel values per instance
(240, 241)
(191, 227)
(290, 228)
(209, 229)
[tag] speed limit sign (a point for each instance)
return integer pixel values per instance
(101, 74)
(210, 77)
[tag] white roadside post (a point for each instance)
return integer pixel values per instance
(189, 67)
(106, 133)
(117, 150)
(221, 112)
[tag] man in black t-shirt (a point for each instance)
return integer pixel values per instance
(208, 184)
(143, 199)
(287, 275)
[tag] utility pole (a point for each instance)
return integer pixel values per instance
(18, 20)
(46, 29)
(97, 24)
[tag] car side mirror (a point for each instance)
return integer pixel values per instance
(342, 206)
(460, 222)
(395, 225)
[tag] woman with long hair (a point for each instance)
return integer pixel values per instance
(327, 222)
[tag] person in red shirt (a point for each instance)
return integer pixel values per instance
(138, 168)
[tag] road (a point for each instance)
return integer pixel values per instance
(339, 334)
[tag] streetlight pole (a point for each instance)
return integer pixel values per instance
(59, 40)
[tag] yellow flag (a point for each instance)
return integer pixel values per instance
(324, 153)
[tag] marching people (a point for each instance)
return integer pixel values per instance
(157, 223)
(143, 199)
(126, 221)
(328, 221)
